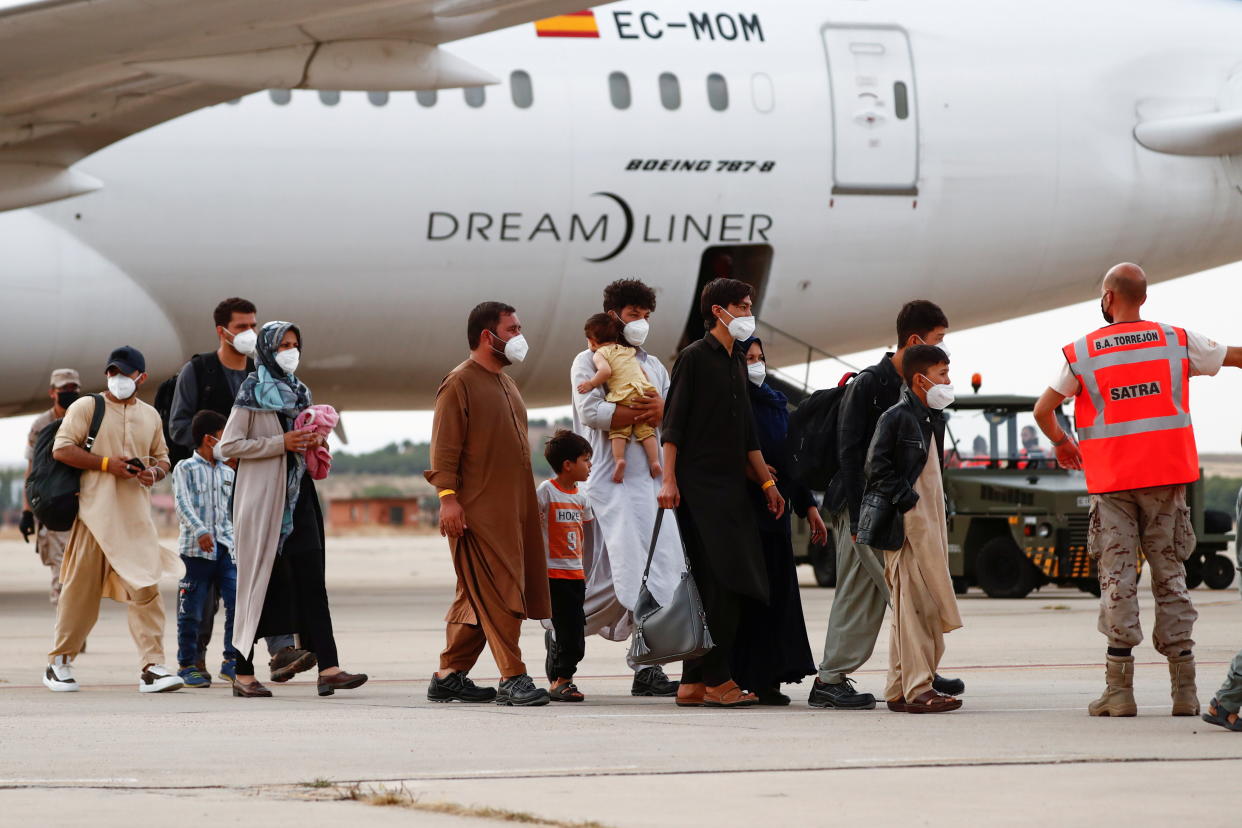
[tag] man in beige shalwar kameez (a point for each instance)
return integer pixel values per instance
(113, 551)
(480, 464)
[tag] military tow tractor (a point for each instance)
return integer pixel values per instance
(1016, 520)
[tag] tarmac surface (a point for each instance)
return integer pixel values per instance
(1021, 751)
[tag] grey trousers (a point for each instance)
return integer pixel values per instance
(858, 607)
(1229, 696)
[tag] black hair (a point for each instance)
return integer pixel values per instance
(625, 292)
(722, 292)
(485, 317)
(918, 358)
(919, 318)
(564, 446)
(205, 422)
(224, 311)
(603, 328)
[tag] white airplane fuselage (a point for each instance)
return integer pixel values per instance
(978, 154)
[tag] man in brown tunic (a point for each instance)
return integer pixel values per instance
(480, 463)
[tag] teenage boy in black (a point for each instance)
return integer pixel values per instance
(861, 596)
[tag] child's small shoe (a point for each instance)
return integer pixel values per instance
(194, 677)
(567, 692)
(228, 671)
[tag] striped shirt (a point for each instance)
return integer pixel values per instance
(564, 516)
(204, 495)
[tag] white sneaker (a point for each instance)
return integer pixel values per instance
(59, 677)
(157, 678)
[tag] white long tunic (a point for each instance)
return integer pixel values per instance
(625, 512)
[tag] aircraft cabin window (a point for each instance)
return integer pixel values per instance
(476, 96)
(670, 91)
(234, 102)
(717, 92)
(280, 97)
(901, 101)
(329, 97)
(378, 98)
(426, 97)
(521, 89)
(619, 90)
(762, 93)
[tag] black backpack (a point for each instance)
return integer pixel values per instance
(52, 487)
(208, 374)
(163, 405)
(813, 436)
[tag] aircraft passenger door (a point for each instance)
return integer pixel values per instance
(874, 115)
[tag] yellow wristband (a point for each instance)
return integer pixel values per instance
(104, 466)
(447, 492)
(769, 483)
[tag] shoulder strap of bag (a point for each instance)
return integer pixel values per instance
(96, 421)
(655, 535)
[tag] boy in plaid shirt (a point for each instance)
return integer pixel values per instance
(203, 488)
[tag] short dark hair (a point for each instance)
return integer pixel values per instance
(224, 311)
(625, 292)
(722, 292)
(603, 328)
(919, 318)
(564, 446)
(918, 358)
(485, 317)
(205, 422)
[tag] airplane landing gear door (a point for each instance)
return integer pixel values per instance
(875, 119)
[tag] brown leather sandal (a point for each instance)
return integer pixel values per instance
(690, 695)
(728, 695)
(932, 702)
(896, 705)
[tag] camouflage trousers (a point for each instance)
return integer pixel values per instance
(1155, 523)
(51, 549)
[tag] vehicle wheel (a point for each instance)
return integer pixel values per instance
(1216, 522)
(1002, 571)
(1218, 572)
(1091, 585)
(824, 563)
(1194, 571)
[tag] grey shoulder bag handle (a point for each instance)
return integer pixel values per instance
(676, 631)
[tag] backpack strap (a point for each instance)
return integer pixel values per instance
(96, 421)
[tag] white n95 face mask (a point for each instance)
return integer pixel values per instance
(940, 397)
(742, 327)
(246, 342)
(757, 372)
(289, 360)
(517, 348)
(636, 332)
(121, 386)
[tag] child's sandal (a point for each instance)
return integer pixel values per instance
(1221, 717)
(567, 692)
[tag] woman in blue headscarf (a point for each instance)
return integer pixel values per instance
(278, 526)
(772, 647)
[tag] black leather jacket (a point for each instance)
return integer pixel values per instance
(876, 389)
(896, 459)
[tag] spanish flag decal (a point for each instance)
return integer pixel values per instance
(576, 24)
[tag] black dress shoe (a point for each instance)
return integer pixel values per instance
(948, 686)
(651, 681)
(773, 697)
(841, 696)
(520, 691)
(456, 687)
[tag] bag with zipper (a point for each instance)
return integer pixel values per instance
(675, 631)
(53, 487)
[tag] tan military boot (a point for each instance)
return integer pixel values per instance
(1118, 698)
(1182, 679)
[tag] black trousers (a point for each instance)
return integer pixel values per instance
(722, 605)
(568, 624)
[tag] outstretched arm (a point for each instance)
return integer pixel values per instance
(1066, 448)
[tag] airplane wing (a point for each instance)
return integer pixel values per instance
(78, 75)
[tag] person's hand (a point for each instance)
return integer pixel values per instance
(669, 496)
(452, 517)
(584, 387)
(206, 542)
(650, 408)
(118, 467)
(776, 503)
(27, 524)
(819, 532)
(150, 476)
(1068, 454)
(299, 441)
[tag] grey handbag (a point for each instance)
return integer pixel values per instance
(676, 631)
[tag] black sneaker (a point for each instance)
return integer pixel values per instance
(841, 696)
(651, 681)
(549, 661)
(456, 687)
(948, 686)
(520, 691)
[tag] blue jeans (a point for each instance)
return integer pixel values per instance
(203, 579)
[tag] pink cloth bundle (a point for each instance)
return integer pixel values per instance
(319, 419)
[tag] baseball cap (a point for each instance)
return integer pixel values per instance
(127, 359)
(64, 376)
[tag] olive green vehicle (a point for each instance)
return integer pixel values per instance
(1016, 520)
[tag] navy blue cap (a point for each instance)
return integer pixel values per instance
(127, 359)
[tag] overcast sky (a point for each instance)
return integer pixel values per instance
(1019, 356)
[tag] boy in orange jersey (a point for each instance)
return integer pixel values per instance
(564, 513)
